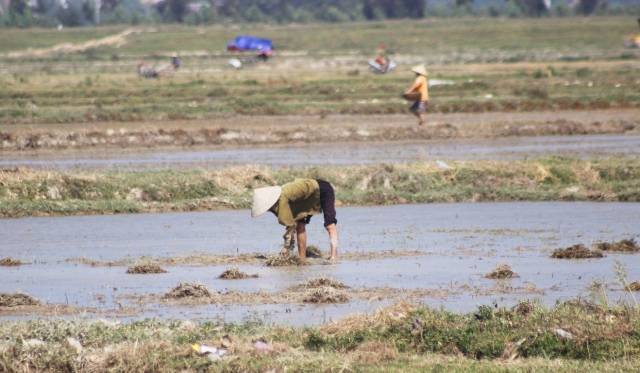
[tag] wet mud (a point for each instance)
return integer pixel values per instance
(438, 254)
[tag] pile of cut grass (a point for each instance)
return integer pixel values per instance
(634, 286)
(578, 251)
(502, 271)
(145, 269)
(291, 259)
(10, 262)
(314, 252)
(624, 246)
(325, 294)
(320, 282)
(234, 273)
(17, 299)
(187, 290)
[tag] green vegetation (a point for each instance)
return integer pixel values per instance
(30, 193)
(573, 336)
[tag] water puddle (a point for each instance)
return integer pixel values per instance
(324, 154)
(455, 246)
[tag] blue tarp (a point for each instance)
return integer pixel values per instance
(245, 43)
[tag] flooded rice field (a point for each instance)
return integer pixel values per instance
(438, 254)
(326, 154)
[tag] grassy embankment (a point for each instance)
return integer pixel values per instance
(32, 193)
(571, 337)
(512, 65)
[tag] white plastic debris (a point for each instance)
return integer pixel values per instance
(204, 349)
(31, 343)
(442, 165)
(563, 333)
(261, 345)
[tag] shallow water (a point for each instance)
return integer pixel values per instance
(324, 154)
(460, 242)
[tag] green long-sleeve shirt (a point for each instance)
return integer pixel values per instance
(299, 199)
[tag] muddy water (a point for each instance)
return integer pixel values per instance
(324, 154)
(459, 244)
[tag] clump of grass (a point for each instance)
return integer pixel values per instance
(234, 273)
(524, 308)
(625, 246)
(634, 286)
(285, 260)
(320, 282)
(578, 251)
(17, 299)
(10, 262)
(314, 252)
(326, 294)
(502, 271)
(187, 290)
(146, 268)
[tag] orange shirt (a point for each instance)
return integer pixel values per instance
(422, 86)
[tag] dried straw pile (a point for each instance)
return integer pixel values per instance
(625, 246)
(502, 271)
(234, 273)
(237, 179)
(578, 251)
(383, 317)
(319, 282)
(326, 294)
(142, 269)
(17, 299)
(10, 262)
(524, 307)
(186, 290)
(285, 260)
(314, 252)
(634, 286)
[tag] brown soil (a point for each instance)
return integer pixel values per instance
(233, 273)
(578, 251)
(10, 262)
(625, 246)
(143, 269)
(17, 299)
(186, 290)
(502, 271)
(295, 129)
(314, 252)
(634, 286)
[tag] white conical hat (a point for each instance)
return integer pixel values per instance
(263, 199)
(419, 69)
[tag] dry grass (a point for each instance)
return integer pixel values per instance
(325, 294)
(624, 246)
(383, 317)
(238, 178)
(320, 282)
(292, 259)
(578, 251)
(634, 286)
(234, 273)
(17, 299)
(10, 262)
(187, 290)
(524, 307)
(147, 268)
(502, 271)
(374, 351)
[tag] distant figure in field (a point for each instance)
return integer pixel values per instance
(293, 204)
(382, 59)
(175, 62)
(420, 86)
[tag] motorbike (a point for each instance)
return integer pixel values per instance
(376, 67)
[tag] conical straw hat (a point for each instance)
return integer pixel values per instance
(419, 69)
(263, 199)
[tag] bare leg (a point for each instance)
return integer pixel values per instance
(302, 239)
(333, 239)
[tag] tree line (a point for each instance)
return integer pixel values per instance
(73, 13)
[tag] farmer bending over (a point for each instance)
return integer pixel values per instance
(294, 203)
